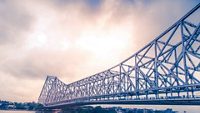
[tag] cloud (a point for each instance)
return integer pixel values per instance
(73, 39)
(14, 21)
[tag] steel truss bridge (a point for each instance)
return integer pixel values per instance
(165, 71)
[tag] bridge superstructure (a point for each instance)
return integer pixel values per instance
(165, 71)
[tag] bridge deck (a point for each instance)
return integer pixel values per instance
(177, 101)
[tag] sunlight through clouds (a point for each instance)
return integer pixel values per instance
(37, 40)
(103, 41)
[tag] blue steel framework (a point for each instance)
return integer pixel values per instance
(168, 67)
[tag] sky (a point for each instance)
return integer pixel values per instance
(74, 39)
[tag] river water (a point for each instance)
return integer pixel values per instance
(179, 108)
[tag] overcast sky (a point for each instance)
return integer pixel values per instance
(73, 39)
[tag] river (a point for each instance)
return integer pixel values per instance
(179, 108)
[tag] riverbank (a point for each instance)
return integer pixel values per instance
(28, 106)
(97, 109)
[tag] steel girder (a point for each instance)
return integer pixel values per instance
(170, 64)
